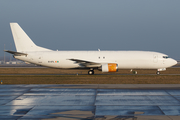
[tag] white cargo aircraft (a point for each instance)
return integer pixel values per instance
(106, 61)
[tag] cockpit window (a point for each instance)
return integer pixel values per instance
(166, 57)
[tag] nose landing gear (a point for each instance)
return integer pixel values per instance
(161, 69)
(158, 73)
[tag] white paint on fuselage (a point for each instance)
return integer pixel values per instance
(124, 59)
(28, 51)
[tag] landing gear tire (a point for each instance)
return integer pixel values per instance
(158, 73)
(91, 72)
(135, 72)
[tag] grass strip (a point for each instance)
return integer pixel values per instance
(93, 79)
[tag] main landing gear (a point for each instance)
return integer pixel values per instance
(134, 72)
(91, 72)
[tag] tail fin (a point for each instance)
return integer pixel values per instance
(22, 41)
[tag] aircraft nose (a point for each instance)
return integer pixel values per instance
(173, 62)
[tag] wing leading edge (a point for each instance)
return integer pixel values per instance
(90, 64)
(86, 63)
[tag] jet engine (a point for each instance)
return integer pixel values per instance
(109, 67)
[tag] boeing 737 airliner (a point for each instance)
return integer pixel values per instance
(106, 61)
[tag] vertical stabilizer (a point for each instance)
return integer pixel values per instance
(22, 41)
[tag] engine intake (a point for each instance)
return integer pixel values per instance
(109, 67)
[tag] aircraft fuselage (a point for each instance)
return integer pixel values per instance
(124, 59)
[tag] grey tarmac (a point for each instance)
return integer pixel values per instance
(88, 102)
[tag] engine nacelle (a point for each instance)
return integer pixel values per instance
(109, 67)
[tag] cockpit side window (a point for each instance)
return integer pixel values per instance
(166, 57)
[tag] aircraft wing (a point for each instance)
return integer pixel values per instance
(86, 63)
(15, 53)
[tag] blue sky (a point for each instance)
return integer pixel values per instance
(147, 25)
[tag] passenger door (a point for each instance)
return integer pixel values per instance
(155, 58)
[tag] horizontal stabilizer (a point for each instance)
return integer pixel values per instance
(15, 53)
